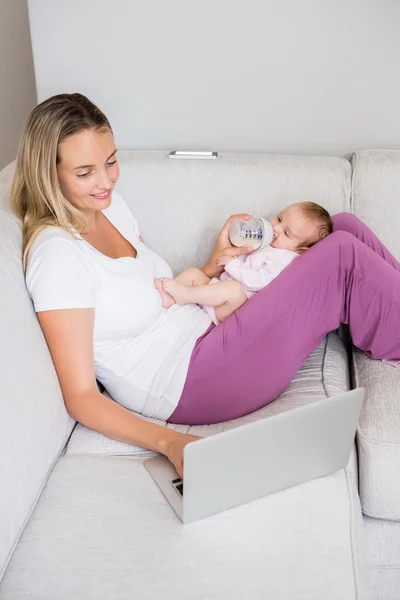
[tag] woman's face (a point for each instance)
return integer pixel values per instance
(88, 169)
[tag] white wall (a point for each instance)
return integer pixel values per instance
(306, 76)
(17, 83)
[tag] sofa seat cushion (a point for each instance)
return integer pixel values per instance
(378, 437)
(324, 374)
(102, 529)
(383, 555)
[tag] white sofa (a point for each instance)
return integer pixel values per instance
(79, 515)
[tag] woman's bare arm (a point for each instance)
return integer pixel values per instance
(69, 336)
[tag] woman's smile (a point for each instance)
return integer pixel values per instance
(101, 196)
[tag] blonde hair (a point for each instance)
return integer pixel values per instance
(36, 197)
(319, 215)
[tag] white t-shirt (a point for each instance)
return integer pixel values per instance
(141, 350)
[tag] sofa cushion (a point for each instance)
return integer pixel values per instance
(378, 437)
(383, 553)
(5, 182)
(182, 204)
(324, 374)
(102, 529)
(34, 424)
(376, 194)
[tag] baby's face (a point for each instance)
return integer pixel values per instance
(292, 229)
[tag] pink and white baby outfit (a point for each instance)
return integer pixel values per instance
(253, 271)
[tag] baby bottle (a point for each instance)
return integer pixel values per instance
(256, 232)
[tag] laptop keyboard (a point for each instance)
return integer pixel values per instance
(178, 485)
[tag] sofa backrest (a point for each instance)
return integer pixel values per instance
(34, 425)
(375, 197)
(181, 204)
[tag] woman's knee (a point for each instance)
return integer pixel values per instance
(339, 245)
(338, 237)
(345, 222)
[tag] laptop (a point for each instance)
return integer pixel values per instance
(248, 462)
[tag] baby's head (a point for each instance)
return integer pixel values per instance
(300, 226)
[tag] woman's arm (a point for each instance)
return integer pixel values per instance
(69, 335)
(223, 247)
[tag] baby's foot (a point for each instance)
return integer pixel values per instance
(166, 299)
(175, 289)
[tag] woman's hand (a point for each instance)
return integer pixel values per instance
(224, 260)
(223, 247)
(175, 447)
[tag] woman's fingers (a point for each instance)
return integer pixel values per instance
(243, 216)
(176, 448)
(224, 233)
(179, 467)
(224, 246)
(236, 250)
(231, 253)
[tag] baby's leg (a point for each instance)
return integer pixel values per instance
(192, 277)
(166, 299)
(226, 296)
(188, 278)
(236, 299)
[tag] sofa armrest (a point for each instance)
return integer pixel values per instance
(378, 437)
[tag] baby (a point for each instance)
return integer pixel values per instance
(296, 229)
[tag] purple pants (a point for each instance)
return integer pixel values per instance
(248, 360)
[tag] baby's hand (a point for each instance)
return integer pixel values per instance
(224, 260)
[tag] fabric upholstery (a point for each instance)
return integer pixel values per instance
(375, 200)
(102, 529)
(379, 438)
(383, 547)
(34, 425)
(182, 204)
(5, 182)
(376, 194)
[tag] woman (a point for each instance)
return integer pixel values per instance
(91, 276)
